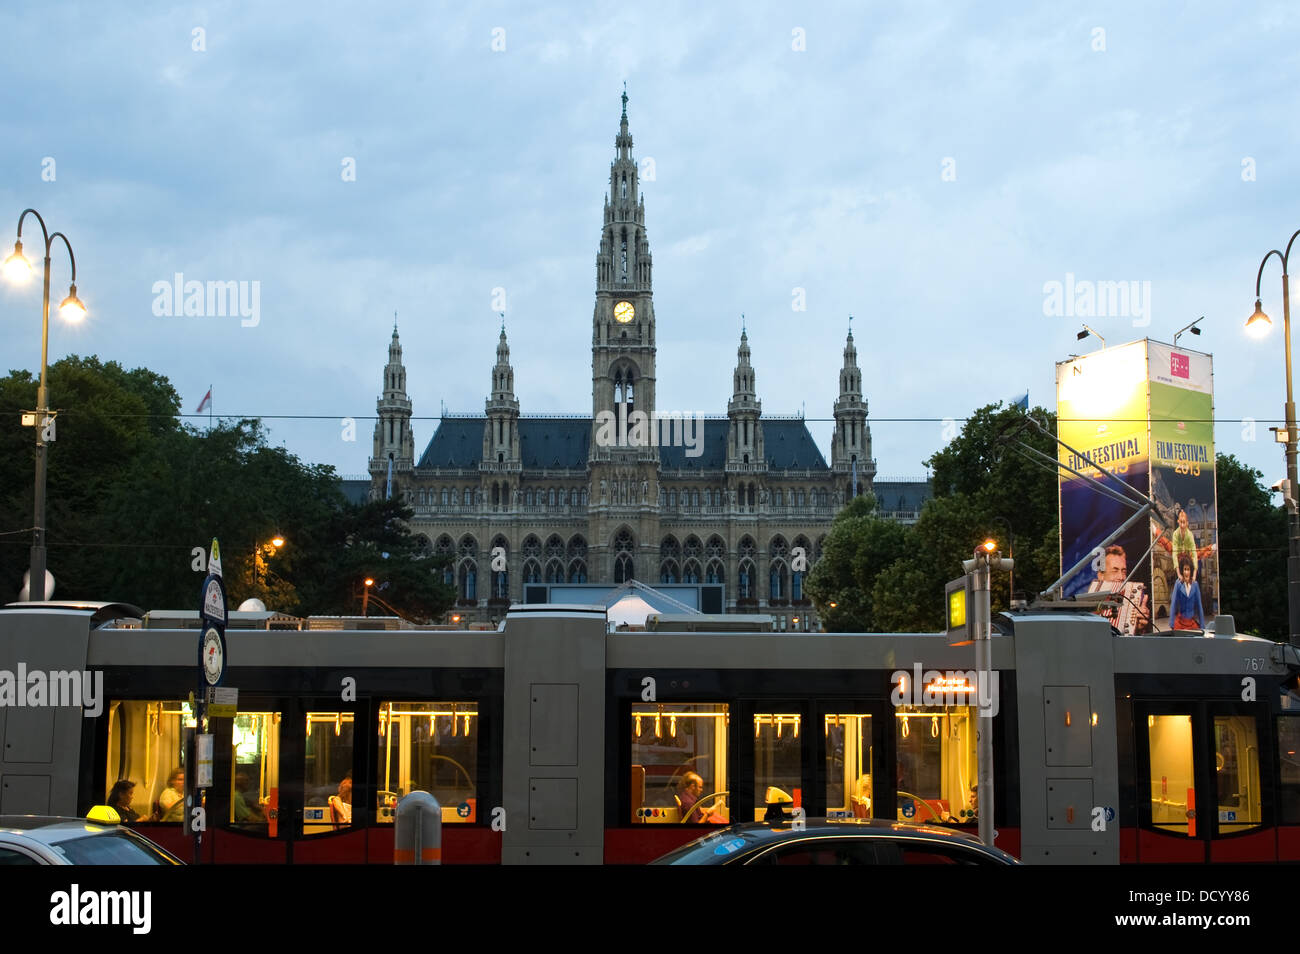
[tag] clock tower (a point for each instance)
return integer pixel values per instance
(624, 456)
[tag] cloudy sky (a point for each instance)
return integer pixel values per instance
(928, 168)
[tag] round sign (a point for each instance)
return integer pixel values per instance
(463, 809)
(909, 808)
(212, 655)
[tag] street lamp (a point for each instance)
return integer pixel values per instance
(1258, 325)
(18, 269)
(276, 542)
(365, 595)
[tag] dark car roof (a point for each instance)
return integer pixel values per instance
(758, 835)
(864, 827)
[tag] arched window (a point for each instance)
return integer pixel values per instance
(622, 187)
(624, 547)
(624, 254)
(468, 580)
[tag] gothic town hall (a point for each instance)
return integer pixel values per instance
(579, 499)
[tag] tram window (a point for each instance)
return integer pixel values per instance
(429, 747)
(848, 764)
(1288, 758)
(327, 772)
(255, 777)
(679, 763)
(1173, 792)
(146, 745)
(1236, 772)
(937, 768)
(778, 761)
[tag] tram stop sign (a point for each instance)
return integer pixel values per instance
(961, 630)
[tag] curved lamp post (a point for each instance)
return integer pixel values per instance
(18, 269)
(1258, 325)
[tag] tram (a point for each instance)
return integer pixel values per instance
(555, 740)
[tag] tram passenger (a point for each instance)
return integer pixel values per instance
(692, 789)
(341, 804)
(245, 805)
(119, 799)
(171, 803)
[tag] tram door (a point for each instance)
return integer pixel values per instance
(318, 792)
(779, 770)
(1200, 798)
(849, 742)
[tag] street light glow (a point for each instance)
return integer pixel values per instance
(17, 268)
(71, 309)
(1258, 324)
(370, 581)
(989, 545)
(277, 542)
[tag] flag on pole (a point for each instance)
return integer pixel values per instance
(855, 476)
(389, 494)
(207, 399)
(1021, 402)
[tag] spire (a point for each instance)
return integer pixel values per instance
(850, 382)
(501, 429)
(851, 445)
(624, 139)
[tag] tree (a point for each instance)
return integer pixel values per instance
(133, 493)
(1253, 546)
(859, 546)
(978, 478)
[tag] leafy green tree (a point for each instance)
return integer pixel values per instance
(133, 493)
(1253, 551)
(984, 485)
(891, 578)
(859, 546)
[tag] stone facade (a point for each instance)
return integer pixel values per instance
(627, 491)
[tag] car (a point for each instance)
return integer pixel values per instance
(51, 840)
(835, 841)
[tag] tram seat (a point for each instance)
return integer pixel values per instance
(860, 800)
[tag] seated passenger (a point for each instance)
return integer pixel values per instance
(692, 792)
(244, 805)
(692, 788)
(171, 803)
(119, 799)
(341, 804)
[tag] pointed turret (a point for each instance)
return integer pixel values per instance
(851, 447)
(394, 442)
(745, 432)
(501, 430)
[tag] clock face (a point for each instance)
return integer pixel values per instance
(214, 657)
(624, 312)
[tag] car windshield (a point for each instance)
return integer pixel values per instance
(112, 848)
(711, 849)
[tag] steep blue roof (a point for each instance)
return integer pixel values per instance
(906, 495)
(356, 490)
(557, 442)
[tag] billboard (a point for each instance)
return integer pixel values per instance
(1144, 411)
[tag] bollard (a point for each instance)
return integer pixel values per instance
(417, 834)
